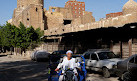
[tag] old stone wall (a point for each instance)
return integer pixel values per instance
(22, 4)
(113, 14)
(31, 16)
(110, 22)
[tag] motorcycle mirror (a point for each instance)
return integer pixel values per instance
(76, 60)
(61, 60)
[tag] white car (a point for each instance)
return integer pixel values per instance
(101, 60)
(40, 55)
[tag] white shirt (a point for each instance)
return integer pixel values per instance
(69, 63)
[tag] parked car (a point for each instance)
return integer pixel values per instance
(101, 60)
(61, 52)
(127, 69)
(40, 55)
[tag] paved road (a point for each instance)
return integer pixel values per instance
(21, 69)
(97, 76)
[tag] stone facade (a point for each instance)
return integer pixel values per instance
(129, 16)
(59, 20)
(30, 13)
(130, 7)
(56, 16)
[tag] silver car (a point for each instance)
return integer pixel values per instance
(101, 60)
(40, 55)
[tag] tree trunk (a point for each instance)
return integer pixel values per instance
(11, 50)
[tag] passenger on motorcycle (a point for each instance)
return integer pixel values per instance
(70, 63)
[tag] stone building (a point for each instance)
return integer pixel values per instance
(116, 32)
(130, 7)
(30, 13)
(59, 17)
(129, 15)
(71, 27)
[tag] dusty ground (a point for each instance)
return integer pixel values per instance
(96, 76)
(22, 69)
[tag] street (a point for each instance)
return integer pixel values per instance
(21, 69)
(96, 76)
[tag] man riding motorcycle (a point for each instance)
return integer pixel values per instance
(70, 63)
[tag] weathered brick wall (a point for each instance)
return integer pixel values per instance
(30, 13)
(31, 16)
(113, 14)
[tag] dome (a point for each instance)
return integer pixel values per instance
(130, 7)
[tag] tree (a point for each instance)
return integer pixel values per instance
(39, 34)
(28, 36)
(8, 35)
(19, 37)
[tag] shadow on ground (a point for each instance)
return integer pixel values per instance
(23, 71)
(99, 73)
(98, 76)
(3, 55)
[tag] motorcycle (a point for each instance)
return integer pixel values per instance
(68, 75)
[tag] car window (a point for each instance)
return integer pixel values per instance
(94, 57)
(54, 58)
(41, 53)
(54, 53)
(106, 55)
(57, 52)
(87, 56)
(136, 60)
(63, 52)
(131, 60)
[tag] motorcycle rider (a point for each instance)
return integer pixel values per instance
(70, 63)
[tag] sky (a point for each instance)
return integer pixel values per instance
(99, 7)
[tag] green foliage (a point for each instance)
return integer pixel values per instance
(7, 35)
(21, 37)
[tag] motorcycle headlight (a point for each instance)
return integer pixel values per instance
(114, 66)
(49, 70)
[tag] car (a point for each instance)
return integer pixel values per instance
(127, 69)
(101, 60)
(61, 52)
(40, 55)
(56, 59)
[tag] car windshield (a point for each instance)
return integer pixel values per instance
(41, 52)
(59, 52)
(106, 55)
(55, 58)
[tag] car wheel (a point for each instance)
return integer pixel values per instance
(126, 76)
(106, 72)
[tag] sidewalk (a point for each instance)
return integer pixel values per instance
(11, 58)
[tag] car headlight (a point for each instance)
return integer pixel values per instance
(114, 66)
